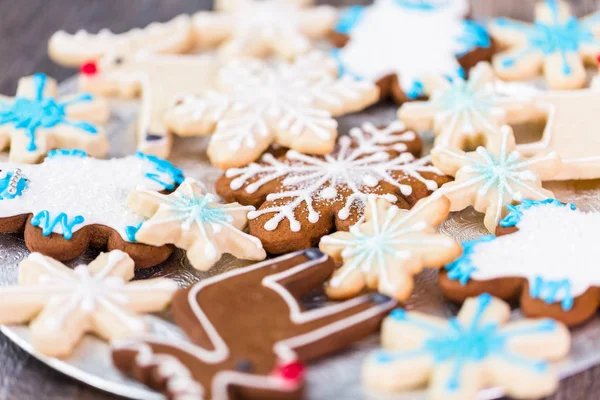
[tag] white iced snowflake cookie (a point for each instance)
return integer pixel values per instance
(479, 348)
(494, 176)
(261, 28)
(64, 304)
(35, 121)
(388, 247)
(193, 220)
(258, 104)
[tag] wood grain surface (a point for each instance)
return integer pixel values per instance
(26, 25)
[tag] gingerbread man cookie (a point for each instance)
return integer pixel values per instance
(388, 247)
(557, 43)
(260, 28)
(70, 202)
(394, 42)
(258, 104)
(300, 198)
(196, 222)
(479, 348)
(258, 354)
(64, 304)
(494, 176)
(35, 121)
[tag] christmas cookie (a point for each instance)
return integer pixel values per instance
(478, 349)
(550, 274)
(64, 304)
(231, 358)
(70, 202)
(35, 121)
(260, 28)
(557, 43)
(394, 42)
(390, 245)
(193, 220)
(257, 104)
(300, 198)
(494, 176)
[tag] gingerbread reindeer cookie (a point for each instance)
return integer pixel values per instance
(260, 353)
(35, 121)
(300, 198)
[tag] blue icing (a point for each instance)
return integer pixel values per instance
(423, 5)
(474, 36)
(465, 343)
(516, 212)
(349, 18)
(41, 112)
(132, 230)
(12, 185)
(43, 217)
(416, 90)
(66, 153)
(551, 290)
(162, 167)
(462, 268)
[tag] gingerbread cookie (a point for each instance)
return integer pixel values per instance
(35, 121)
(557, 43)
(196, 222)
(540, 262)
(494, 176)
(139, 62)
(64, 304)
(388, 247)
(300, 198)
(394, 42)
(478, 349)
(257, 104)
(233, 358)
(464, 113)
(70, 202)
(285, 28)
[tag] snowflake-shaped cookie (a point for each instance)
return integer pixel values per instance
(300, 197)
(494, 176)
(34, 121)
(64, 304)
(464, 113)
(258, 104)
(260, 28)
(391, 245)
(405, 39)
(196, 222)
(477, 349)
(546, 260)
(557, 42)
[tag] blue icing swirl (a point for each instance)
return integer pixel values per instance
(516, 212)
(12, 185)
(162, 167)
(462, 268)
(349, 18)
(550, 290)
(47, 223)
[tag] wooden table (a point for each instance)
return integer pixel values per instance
(26, 25)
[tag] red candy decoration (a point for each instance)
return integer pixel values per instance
(293, 371)
(598, 59)
(89, 68)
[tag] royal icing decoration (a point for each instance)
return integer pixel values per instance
(557, 42)
(63, 304)
(258, 104)
(69, 190)
(494, 176)
(438, 36)
(34, 121)
(477, 349)
(390, 246)
(195, 221)
(260, 28)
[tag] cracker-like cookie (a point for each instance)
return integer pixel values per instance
(394, 42)
(63, 304)
(557, 43)
(261, 28)
(193, 220)
(35, 121)
(259, 353)
(458, 357)
(541, 257)
(300, 198)
(70, 202)
(257, 104)
(388, 247)
(494, 176)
